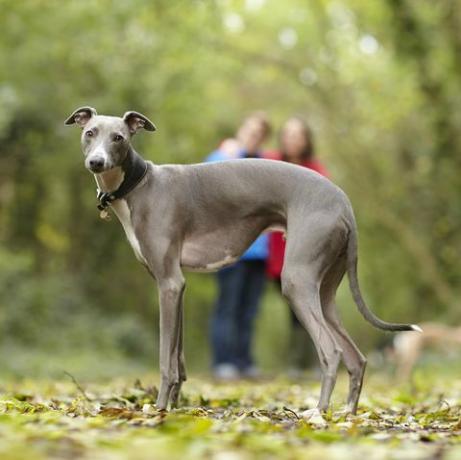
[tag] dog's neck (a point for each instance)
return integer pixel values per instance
(128, 171)
(110, 180)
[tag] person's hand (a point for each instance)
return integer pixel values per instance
(230, 147)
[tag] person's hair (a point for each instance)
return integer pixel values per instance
(261, 118)
(309, 149)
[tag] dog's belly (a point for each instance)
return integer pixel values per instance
(212, 250)
(192, 260)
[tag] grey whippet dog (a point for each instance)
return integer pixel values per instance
(204, 216)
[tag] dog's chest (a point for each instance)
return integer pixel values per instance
(124, 215)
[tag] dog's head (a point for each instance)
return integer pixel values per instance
(106, 140)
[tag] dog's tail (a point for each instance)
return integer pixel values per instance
(357, 295)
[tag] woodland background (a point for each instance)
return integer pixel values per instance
(379, 82)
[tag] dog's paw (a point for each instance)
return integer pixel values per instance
(314, 416)
(149, 409)
(345, 413)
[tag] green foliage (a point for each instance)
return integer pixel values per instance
(378, 81)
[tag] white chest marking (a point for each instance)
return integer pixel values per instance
(124, 215)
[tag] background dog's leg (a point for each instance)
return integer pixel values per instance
(353, 359)
(408, 348)
(171, 292)
(303, 295)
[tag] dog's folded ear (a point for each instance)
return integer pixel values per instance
(137, 121)
(81, 116)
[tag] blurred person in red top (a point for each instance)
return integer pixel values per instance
(296, 146)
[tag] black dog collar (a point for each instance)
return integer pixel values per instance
(135, 168)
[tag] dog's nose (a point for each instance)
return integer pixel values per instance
(96, 163)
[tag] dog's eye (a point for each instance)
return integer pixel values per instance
(118, 138)
(89, 134)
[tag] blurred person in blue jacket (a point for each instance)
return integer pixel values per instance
(240, 286)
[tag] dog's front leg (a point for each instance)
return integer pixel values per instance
(174, 395)
(170, 295)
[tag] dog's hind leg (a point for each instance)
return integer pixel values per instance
(303, 295)
(353, 359)
(310, 253)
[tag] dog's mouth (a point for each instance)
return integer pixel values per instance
(96, 169)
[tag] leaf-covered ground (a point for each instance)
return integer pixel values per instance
(116, 420)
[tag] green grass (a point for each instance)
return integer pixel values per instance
(116, 420)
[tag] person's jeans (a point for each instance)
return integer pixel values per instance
(240, 290)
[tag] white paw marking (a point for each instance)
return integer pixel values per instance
(314, 417)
